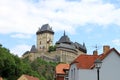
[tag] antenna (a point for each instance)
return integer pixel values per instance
(96, 47)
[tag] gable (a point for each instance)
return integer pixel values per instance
(87, 61)
(113, 59)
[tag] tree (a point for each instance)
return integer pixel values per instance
(52, 48)
(12, 67)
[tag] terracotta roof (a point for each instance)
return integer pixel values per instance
(87, 61)
(31, 77)
(61, 67)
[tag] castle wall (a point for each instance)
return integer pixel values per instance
(66, 56)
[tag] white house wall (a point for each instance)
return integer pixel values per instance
(81, 74)
(73, 75)
(85, 74)
(110, 70)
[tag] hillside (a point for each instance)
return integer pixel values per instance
(12, 67)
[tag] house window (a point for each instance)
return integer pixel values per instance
(71, 74)
(74, 73)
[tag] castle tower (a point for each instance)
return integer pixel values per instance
(44, 37)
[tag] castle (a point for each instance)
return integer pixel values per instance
(66, 50)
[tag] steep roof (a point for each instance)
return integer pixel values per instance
(65, 42)
(27, 52)
(67, 46)
(45, 28)
(104, 55)
(64, 39)
(61, 67)
(33, 49)
(87, 61)
(80, 47)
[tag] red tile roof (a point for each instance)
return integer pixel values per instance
(31, 77)
(87, 61)
(61, 67)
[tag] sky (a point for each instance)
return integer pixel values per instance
(93, 22)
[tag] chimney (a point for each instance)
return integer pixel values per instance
(106, 48)
(95, 52)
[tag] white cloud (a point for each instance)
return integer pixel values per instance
(20, 49)
(116, 42)
(25, 36)
(23, 16)
(89, 30)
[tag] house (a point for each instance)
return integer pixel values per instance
(61, 72)
(83, 68)
(27, 77)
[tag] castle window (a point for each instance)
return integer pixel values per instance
(40, 42)
(43, 47)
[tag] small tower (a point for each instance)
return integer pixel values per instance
(44, 37)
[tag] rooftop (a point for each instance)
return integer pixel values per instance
(64, 39)
(61, 67)
(33, 49)
(87, 61)
(65, 42)
(30, 77)
(45, 28)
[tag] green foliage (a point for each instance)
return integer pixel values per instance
(45, 69)
(12, 67)
(52, 48)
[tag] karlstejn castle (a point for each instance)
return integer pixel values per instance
(65, 50)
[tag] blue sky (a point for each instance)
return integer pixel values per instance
(94, 22)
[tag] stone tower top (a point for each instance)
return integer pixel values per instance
(45, 29)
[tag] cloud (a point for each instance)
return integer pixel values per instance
(21, 36)
(25, 16)
(116, 42)
(20, 49)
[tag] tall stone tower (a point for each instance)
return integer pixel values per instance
(45, 36)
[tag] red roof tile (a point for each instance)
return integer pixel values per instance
(61, 67)
(87, 61)
(31, 77)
